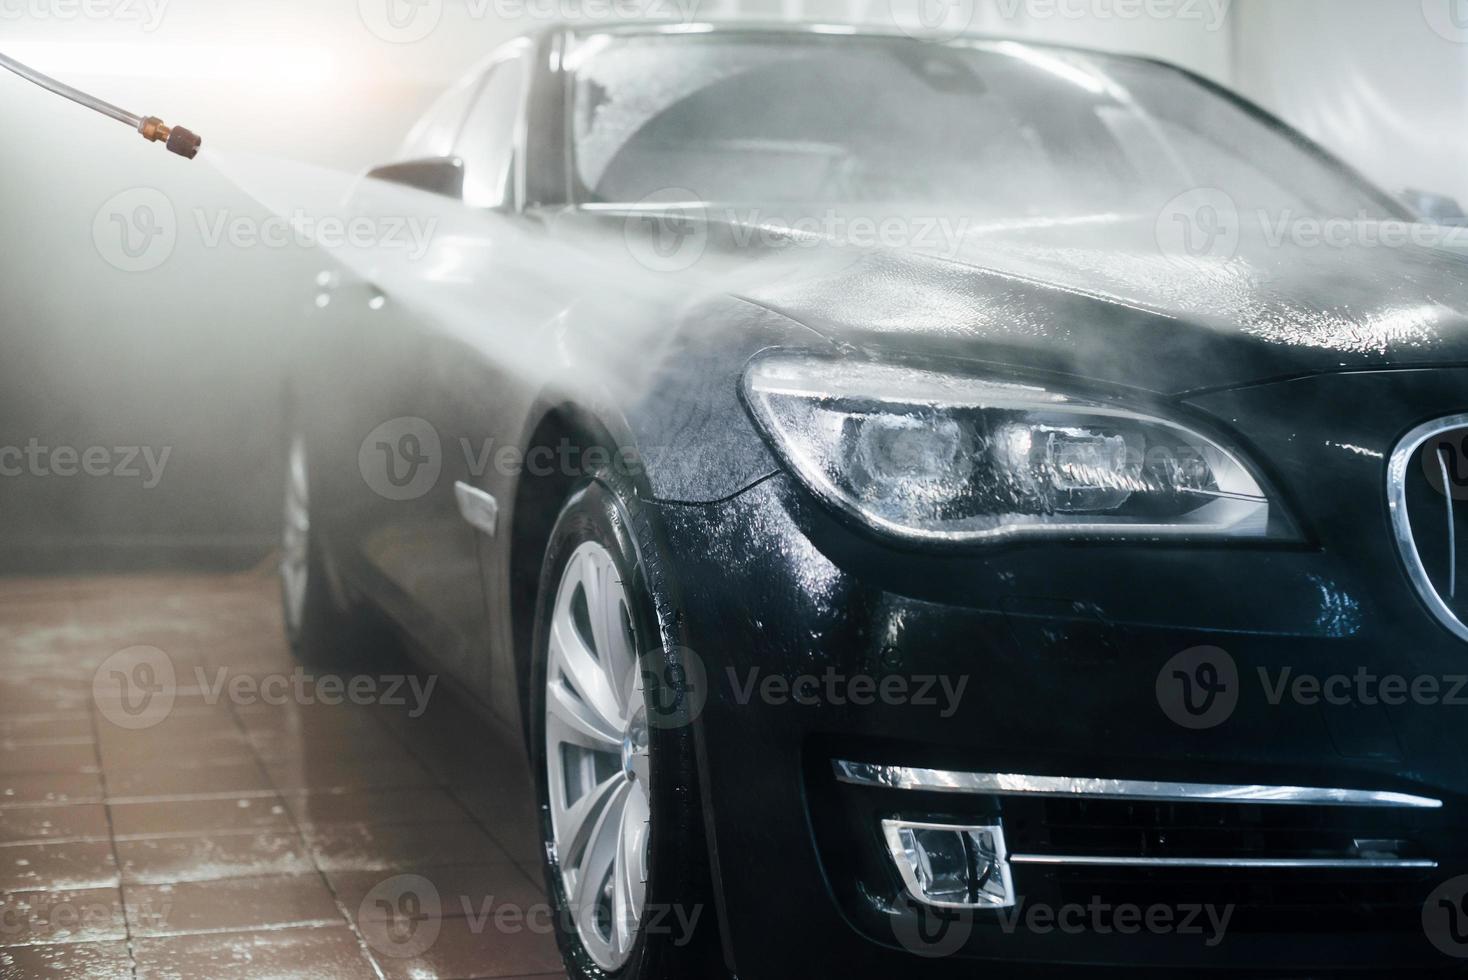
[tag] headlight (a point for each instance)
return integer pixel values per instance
(928, 456)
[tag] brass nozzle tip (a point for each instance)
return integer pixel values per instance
(177, 139)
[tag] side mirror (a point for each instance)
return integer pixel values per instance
(436, 175)
(1439, 209)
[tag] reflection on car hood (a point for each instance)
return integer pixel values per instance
(1099, 298)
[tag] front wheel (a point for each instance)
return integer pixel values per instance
(625, 860)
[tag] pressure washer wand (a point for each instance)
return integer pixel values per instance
(176, 138)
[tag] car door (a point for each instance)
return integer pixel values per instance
(376, 408)
(473, 376)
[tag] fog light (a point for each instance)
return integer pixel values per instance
(951, 867)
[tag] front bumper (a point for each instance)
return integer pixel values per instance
(1059, 660)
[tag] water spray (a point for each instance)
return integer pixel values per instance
(175, 138)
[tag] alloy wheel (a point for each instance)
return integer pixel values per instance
(597, 756)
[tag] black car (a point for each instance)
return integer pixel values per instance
(920, 502)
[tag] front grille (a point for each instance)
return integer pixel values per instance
(1381, 900)
(1427, 488)
(1285, 860)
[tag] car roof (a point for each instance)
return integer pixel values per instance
(770, 28)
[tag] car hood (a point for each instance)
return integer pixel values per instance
(1098, 298)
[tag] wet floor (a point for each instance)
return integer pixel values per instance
(176, 802)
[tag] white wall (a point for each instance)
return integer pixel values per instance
(1384, 83)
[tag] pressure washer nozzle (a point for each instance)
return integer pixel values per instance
(176, 138)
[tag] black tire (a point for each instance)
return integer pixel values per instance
(602, 510)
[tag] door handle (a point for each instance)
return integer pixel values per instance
(480, 509)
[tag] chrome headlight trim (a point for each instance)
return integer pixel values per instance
(1007, 394)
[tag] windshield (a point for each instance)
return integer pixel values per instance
(996, 129)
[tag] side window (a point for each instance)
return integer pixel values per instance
(487, 145)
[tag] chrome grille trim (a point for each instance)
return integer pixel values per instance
(1396, 492)
(1324, 864)
(1002, 784)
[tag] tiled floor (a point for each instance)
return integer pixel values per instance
(190, 830)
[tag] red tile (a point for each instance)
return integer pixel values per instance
(231, 905)
(330, 953)
(186, 817)
(30, 789)
(170, 859)
(69, 726)
(74, 961)
(457, 891)
(32, 867)
(82, 915)
(375, 807)
(79, 757)
(328, 773)
(175, 750)
(355, 847)
(232, 779)
(468, 949)
(38, 824)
